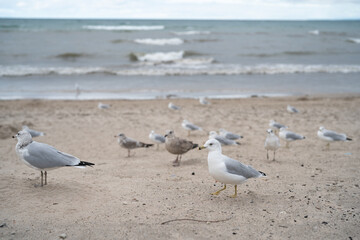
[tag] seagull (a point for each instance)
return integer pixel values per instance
(204, 101)
(130, 143)
(289, 136)
(227, 170)
(190, 126)
(275, 125)
(229, 135)
(272, 143)
(177, 146)
(331, 136)
(103, 106)
(221, 139)
(173, 106)
(43, 157)
(77, 90)
(291, 109)
(32, 132)
(156, 138)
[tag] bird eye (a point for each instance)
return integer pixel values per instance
(210, 144)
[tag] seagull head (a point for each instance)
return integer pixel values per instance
(121, 136)
(212, 145)
(169, 134)
(270, 131)
(321, 128)
(212, 134)
(23, 137)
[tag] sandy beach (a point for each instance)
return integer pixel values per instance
(309, 192)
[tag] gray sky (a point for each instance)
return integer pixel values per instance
(183, 9)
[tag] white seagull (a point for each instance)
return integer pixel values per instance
(156, 138)
(190, 126)
(204, 101)
(103, 105)
(43, 157)
(331, 136)
(272, 143)
(223, 140)
(227, 170)
(289, 136)
(291, 109)
(275, 125)
(173, 106)
(229, 135)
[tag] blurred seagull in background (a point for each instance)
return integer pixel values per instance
(156, 138)
(190, 126)
(289, 136)
(32, 132)
(331, 136)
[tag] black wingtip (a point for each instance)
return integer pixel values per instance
(195, 145)
(83, 163)
(348, 139)
(149, 145)
(238, 143)
(262, 173)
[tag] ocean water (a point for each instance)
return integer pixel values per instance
(146, 59)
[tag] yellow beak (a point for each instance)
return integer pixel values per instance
(201, 147)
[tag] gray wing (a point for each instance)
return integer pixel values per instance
(43, 156)
(159, 138)
(224, 141)
(293, 136)
(232, 136)
(192, 126)
(278, 125)
(129, 143)
(335, 136)
(237, 168)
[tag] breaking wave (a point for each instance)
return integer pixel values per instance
(192, 33)
(160, 41)
(353, 40)
(181, 67)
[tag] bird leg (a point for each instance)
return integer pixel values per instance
(157, 148)
(328, 146)
(42, 178)
(274, 156)
(287, 144)
(128, 152)
(267, 154)
(176, 162)
(45, 177)
(217, 192)
(235, 194)
(188, 133)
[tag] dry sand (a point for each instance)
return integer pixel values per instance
(310, 193)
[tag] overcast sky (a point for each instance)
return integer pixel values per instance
(183, 9)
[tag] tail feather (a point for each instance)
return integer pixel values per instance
(262, 173)
(348, 139)
(195, 145)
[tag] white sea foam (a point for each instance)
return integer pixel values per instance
(161, 57)
(179, 66)
(314, 32)
(192, 33)
(123, 27)
(160, 41)
(353, 40)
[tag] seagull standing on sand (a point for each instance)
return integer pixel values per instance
(289, 136)
(173, 106)
(227, 170)
(32, 132)
(275, 125)
(43, 157)
(272, 143)
(156, 138)
(77, 90)
(204, 101)
(229, 135)
(331, 136)
(291, 109)
(221, 139)
(190, 126)
(177, 146)
(130, 143)
(103, 106)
